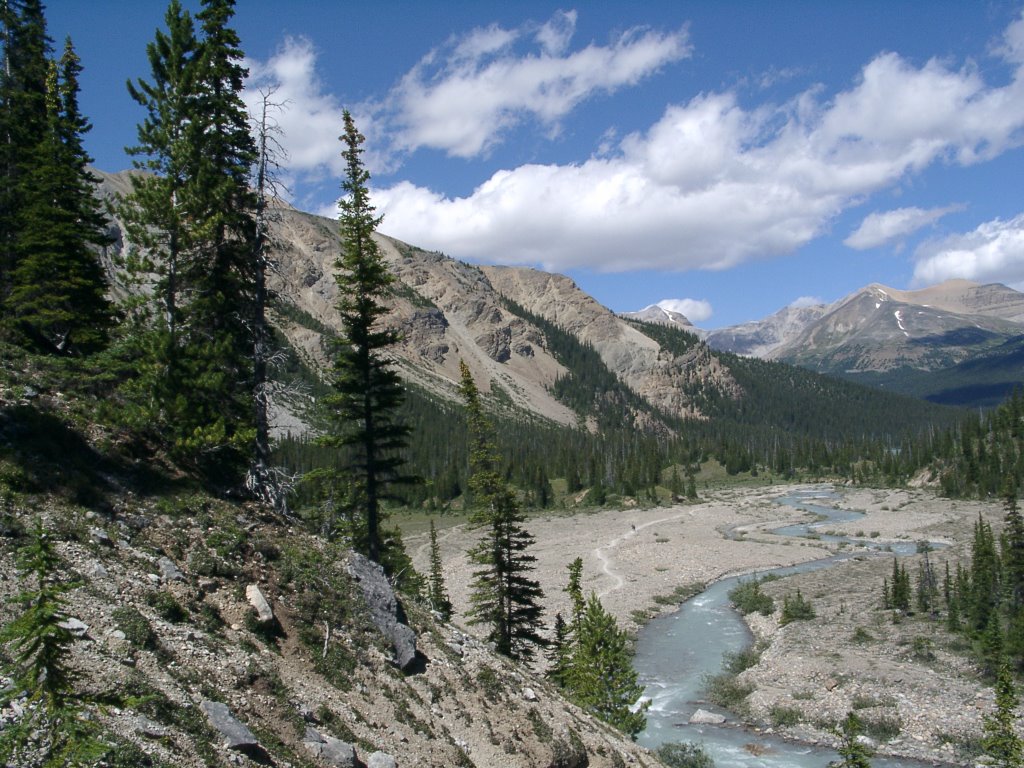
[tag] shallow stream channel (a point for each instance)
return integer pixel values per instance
(676, 651)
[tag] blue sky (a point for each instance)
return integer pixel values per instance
(726, 158)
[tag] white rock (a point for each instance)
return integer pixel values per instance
(703, 717)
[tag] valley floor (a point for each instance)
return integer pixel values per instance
(852, 656)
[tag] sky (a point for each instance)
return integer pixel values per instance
(722, 159)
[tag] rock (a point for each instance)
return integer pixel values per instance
(333, 751)
(153, 578)
(169, 570)
(381, 760)
(150, 728)
(385, 613)
(235, 734)
(76, 627)
(529, 694)
(703, 717)
(256, 599)
(101, 537)
(97, 571)
(831, 684)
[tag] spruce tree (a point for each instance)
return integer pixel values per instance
(602, 679)
(1000, 740)
(504, 597)
(854, 754)
(57, 300)
(23, 119)
(190, 228)
(41, 647)
(1014, 547)
(437, 594)
(363, 409)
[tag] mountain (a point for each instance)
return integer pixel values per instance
(662, 316)
(539, 346)
(760, 338)
(951, 343)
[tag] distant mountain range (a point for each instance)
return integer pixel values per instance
(956, 343)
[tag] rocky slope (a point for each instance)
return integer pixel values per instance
(761, 338)
(222, 635)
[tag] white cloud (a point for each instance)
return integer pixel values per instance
(310, 117)
(462, 98)
(806, 301)
(994, 252)
(712, 183)
(881, 228)
(695, 310)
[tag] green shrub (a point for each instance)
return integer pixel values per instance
(748, 598)
(725, 691)
(796, 608)
(885, 728)
(488, 680)
(781, 716)
(861, 636)
(136, 627)
(738, 661)
(166, 606)
(685, 755)
(922, 649)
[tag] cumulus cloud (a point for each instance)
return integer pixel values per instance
(994, 252)
(463, 97)
(881, 228)
(309, 116)
(695, 310)
(713, 183)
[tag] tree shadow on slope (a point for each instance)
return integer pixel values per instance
(42, 453)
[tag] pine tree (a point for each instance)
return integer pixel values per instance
(363, 408)
(190, 224)
(23, 119)
(41, 647)
(437, 595)
(854, 754)
(561, 653)
(504, 596)
(57, 300)
(602, 679)
(1000, 740)
(1014, 549)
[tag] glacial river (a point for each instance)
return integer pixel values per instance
(674, 652)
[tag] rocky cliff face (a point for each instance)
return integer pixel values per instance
(638, 361)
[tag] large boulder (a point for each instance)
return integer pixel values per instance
(385, 612)
(234, 734)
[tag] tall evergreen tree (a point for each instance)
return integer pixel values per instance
(363, 408)
(190, 227)
(437, 594)
(504, 596)
(1013, 566)
(23, 118)
(57, 301)
(1000, 740)
(602, 679)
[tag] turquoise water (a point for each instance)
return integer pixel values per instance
(675, 652)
